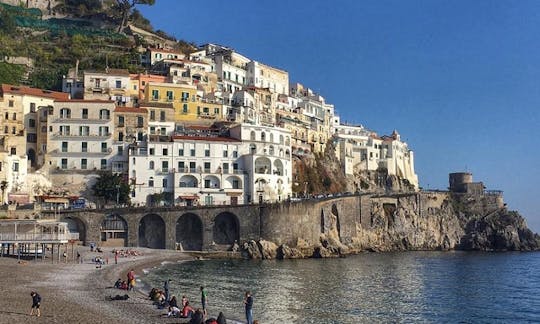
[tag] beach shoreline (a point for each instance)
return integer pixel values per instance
(77, 293)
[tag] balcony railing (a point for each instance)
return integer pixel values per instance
(38, 237)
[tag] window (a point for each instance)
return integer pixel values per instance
(207, 167)
(225, 169)
(152, 115)
(170, 96)
(120, 150)
(64, 147)
(65, 113)
(164, 183)
(140, 121)
(104, 114)
(161, 116)
(207, 152)
(165, 151)
(32, 107)
(120, 136)
(151, 165)
(181, 152)
(192, 167)
(184, 109)
(164, 166)
(84, 147)
(235, 154)
(236, 184)
(120, 121)
(216, 111)
(64, 164)
(13, 151)
(103, 164)
(31, 123)
(104, 147)
(10, 103)
(181, 166)
(13, 130)
(65, 130)
(118, 84)
(84, 164)
(235, 167)
(31, 138)
(103, 130)
(252, 135)
(84, 114)
(151, 182)
(185, 96)
(263, 136)
(155, 94)
(207, 183)
(192, 152)
(6, 116)
(152, 151)
(84, 130)
(225, 153)
(14, 116)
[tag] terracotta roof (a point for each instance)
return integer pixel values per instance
(131, 110)
(23, 90)
(205, 138)
(87, 101)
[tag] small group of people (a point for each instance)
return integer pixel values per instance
(121, 284)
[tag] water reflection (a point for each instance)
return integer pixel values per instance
(423, 287)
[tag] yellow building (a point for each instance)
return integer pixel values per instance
(189, 106)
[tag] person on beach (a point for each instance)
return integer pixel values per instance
(248, 302)
(221, 318)
(187, 311)
(166, 289)
(116, 257)
(173, 311)
(184, 301)
(78, 257)
(173, 302)
(131, 279)
(204, 300)
(36, 302)
(197, 317)
(118, 283)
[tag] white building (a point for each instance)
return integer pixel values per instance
(264, 76)
(362, 150)
(112, 84)
(80, 135)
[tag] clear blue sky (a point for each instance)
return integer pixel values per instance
(458, 79)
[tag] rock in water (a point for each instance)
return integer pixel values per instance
(268, 249)
(252, 250)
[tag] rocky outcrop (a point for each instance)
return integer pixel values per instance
(407, 222)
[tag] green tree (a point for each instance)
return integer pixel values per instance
(125, 7)
(10, 73)
(111, 187)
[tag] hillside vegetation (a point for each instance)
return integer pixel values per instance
(88, 31)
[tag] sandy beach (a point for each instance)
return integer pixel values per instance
(77, 293)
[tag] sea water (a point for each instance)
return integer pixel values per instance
(406, 287)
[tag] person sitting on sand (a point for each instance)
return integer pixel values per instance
(184, 301)
(173, 312)
(198, 317)
(173, 302)
(187, 311)
(124, 285)
(211, 321)
(118, 283)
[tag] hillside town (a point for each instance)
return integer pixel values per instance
(211, 127)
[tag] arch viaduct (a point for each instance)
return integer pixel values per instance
(216, 227)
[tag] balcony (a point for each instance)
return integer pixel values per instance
(58, 153)
(89, 137)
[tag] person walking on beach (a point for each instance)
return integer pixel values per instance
(36, 302)
(248, 302)
(116, 257)
(131, 279)
(204, 300)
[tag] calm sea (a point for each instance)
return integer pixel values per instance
(410, 287)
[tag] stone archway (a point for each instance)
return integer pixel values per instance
(189, 232)
(76, 225)
(152, 232)
(114, 231)
(226, 228)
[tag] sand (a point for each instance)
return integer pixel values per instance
(77, 293)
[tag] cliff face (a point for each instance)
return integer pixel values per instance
(423, 221)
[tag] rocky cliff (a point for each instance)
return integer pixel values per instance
(421, 221)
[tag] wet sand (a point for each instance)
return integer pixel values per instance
(77, 293)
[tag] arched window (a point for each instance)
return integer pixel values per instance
(287, 141)
(271, 137)
(263, 136)
(271, 150)
(281, 139)
(151, 182)
(65, 113)
(252, 135)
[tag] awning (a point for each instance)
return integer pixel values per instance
(57, 200)
(188, 197)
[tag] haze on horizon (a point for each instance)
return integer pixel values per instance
(457, 79)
